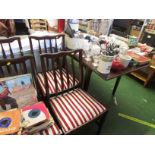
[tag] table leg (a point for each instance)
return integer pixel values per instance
(149, 77)
(87, 78)
(116, 85)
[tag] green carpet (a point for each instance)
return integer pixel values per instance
(132, 100)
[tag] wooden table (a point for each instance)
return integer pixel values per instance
(90, 68)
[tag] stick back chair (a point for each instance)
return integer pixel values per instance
(24, 69)
(8, 52)
(62, 71)
(50, 43)
(6, 47)
(73, 107)
(17, 66)
(46, 44)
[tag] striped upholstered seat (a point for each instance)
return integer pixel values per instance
(51, 82)
(53, 130)
(76, 108)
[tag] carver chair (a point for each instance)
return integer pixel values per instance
(73, 107)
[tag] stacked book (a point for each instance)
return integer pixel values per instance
(36, 118)
(10, 122)
(139, 59)
(28, 120)
(20, 111)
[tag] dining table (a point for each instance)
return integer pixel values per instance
(89, 69)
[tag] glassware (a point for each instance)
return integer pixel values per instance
(95, 60)
(87, 52)
(95, 51)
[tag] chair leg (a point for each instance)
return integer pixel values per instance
(47, 102)
(102, 120)
(40, 95)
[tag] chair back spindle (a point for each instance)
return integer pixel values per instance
(46, 44)
(8, 42)
(7, 51)
(20, 63)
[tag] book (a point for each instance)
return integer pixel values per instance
(141, 60)
(18, 91)
(35, 115)
(10, 121)
(41, 127)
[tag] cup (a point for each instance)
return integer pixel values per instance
(125, 59)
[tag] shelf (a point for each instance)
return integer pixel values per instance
(140, 75)
(146, 78)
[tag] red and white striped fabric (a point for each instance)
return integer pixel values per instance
(51, 81)
(53, 130)
(75, 109)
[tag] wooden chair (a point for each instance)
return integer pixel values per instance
(24, 65)
(38, 24)
(6, 50)
(73, 107)
(17, 66)
(45, 44)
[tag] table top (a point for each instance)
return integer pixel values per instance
(113, 74)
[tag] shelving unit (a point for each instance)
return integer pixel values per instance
(143, 76)
(140, 75)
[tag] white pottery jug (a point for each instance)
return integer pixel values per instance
(105, 63)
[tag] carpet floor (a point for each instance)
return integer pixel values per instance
(131, 100)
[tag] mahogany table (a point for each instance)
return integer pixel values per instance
(90, 68)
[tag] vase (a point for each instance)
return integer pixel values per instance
(105, 63)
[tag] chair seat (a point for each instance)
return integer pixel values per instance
(51, 82)
(52, 130)
(75, 108)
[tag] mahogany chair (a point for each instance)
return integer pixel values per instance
(6, 50)
(72, 107)
(49, 42)
(45, 44)
(17, 66)
(24, 65)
